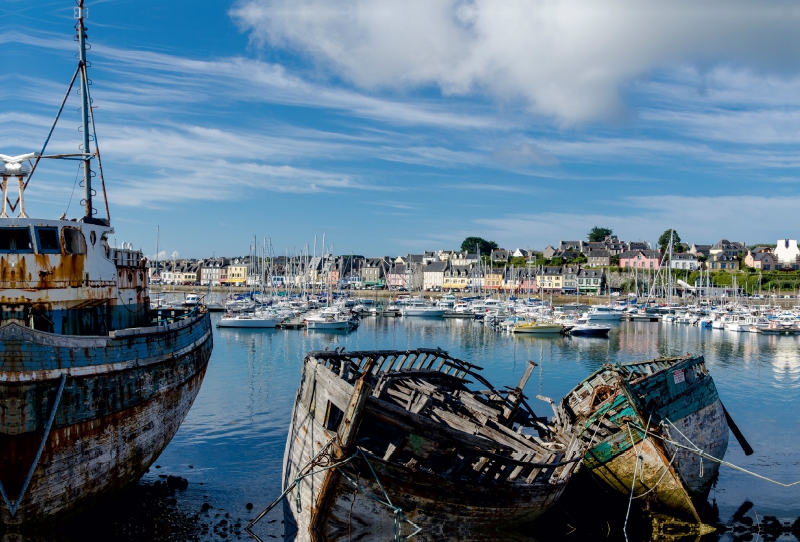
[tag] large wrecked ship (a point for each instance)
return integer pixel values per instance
(91, 387)
(646, 427)
(389, 444)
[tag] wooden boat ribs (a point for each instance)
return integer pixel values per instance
(454, 460)
(628, 417)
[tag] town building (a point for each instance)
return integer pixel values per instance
(762, 260)
(373, 272)
(684, 260)
(433, 276)
(641, 259)
(598, 258)
(456, 277)
(569, 282)
(729, 248)
(721, 261)
(237, 274)
(550, 279)
(590, 281)
(213, 270)
(787, 254)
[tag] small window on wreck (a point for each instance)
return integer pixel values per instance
(47, 241)
(15, 240)
(74, 242)
(333, 417)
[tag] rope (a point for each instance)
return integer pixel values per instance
(14, 507)
(633, 483)
(398, 512)
(701, 453)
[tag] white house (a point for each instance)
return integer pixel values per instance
(683, 260)
(787, 252)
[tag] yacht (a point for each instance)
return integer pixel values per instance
(604, 313)
(418, 307)
(331, 320)
(583, 328)
(251, 320)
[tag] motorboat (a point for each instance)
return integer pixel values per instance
(583, 328)
(603, 312)
(192, 300)
(247, 319)
(331, 322)
(538, 327)
(738, 324)
(418, 307)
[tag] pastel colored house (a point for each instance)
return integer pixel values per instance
(640, 259)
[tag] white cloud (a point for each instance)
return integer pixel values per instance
(566, 58)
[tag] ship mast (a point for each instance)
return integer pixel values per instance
(81, 13)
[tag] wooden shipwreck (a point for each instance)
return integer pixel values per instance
(91, 387)
(641, 425)
(388, 444)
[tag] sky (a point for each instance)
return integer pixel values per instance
(402, 126)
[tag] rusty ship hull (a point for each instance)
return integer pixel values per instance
(98, 410)
(643, 424)
(413, 468)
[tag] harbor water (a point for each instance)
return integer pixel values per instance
(230, 448)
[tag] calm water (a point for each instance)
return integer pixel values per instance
(230, 447)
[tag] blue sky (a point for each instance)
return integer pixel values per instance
(395, 127)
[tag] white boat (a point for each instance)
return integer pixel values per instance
(582, 328)
(603, 312)
(192, 300)
(329, 322)
(417, 307)
(737, 323)
(247, 320)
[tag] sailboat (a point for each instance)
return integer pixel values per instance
(92, 389)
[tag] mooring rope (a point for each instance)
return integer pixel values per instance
(701, 453)
(398, 512)
(14, 507)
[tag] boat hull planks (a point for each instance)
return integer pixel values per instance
(443, 506)
(112, 421)
(675, 400)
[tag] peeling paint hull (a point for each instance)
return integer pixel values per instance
(123, 399)
(675, 401)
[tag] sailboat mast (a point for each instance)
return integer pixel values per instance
(81, 13)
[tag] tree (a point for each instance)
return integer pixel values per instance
(663, 241)
(615, 260)
(598, 234)
(471, 244)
